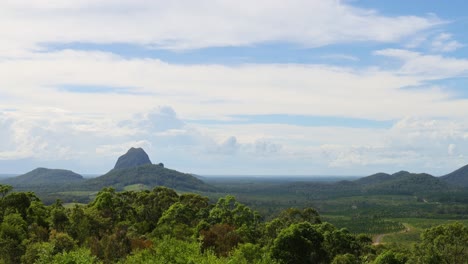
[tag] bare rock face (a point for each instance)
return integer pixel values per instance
(133, 158)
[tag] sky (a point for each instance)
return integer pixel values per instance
(267, 87)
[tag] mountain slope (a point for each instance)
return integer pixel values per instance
(458, 177)
(43, 176)
(402, 182)
(133, 158)
(150, 175)
(374, 179)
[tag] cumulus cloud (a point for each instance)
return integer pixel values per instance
(415, 144)
(451, 149)
(266, 147)
(228, 147)
(157, 120)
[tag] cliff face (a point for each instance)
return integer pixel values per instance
(133, 158)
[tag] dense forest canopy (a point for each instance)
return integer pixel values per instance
(163, 226)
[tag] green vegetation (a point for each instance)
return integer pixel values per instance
(43, 176)
(366, 225)
(458, 177)
(149, 175)
(136, 187)
(129, 215)
(161, 226)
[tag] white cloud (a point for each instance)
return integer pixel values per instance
(92, 129)
(451, 149)
(279, 88)
(415, 144)
(444, 43)
(120, 148)
(27, 25)
(428, 67)
(340, 57)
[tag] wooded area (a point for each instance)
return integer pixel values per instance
(162, 226)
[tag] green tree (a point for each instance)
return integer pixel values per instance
(443, 244)
(58, 216)
(61, 242)
(233, 213)
(345, 259)
(38, 213)
(250, 253)
(150, 206)
(79, 256)
(341, 241)
(221, 238)
(13, 231)
(299, 244)
(390, 257)
(174, 251)
(4, 190)
(288, 217)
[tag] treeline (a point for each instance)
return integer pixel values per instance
(161, 226)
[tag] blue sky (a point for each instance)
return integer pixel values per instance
(271, 87)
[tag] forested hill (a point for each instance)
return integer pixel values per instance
(458, 177)
(44, 176)
(402, 182)
(150, 175)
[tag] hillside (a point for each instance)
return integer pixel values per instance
(374, 179)
(403, 182)
(457, 178)
(149, 175)
(44, 176)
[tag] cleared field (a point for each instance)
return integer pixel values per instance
(136, 187)
(366, 225)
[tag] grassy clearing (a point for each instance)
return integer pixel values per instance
(78, 193)
(71, 205)
(136, 187)
(366, 225)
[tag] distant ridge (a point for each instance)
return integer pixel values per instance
(402, 182)
(374, 178)
(44, 176)
(133, 158)
(458, 177)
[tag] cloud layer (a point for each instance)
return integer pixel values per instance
(181, 24)
(82, 108)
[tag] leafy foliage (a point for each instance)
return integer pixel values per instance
(162, 226)
(43, 176)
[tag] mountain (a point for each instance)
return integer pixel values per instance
(43, 176)
(402, 182)
(133, 158)
(135, 168)
(458, 177)
(374, 179)
(150, 175)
